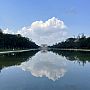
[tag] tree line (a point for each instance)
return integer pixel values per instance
(80, 42)
(15, 41)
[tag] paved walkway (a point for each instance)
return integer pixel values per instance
(73, 49)
(3, 52)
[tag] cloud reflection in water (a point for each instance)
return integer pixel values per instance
(46, 64)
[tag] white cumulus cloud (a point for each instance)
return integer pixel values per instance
(7, 31)
(48, 32)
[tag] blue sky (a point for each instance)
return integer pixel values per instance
(15, 14)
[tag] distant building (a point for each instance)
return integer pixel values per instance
(43, 47)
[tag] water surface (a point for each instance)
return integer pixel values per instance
(50, 70)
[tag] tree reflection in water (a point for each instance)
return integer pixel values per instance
(77, 56)
(12, 59)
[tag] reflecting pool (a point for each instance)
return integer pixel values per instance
(49, 70)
